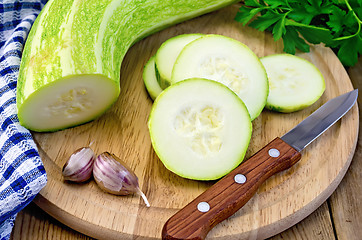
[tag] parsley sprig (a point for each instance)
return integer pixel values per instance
(336, 23)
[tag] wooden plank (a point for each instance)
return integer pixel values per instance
(346, 201)
(317, 226)
(34, 224)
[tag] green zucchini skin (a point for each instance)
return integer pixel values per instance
(149, 78)
(73, 38)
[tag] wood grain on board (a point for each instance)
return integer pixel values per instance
(346, 202)
(282, 201)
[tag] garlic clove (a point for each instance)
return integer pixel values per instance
(114, 176)
(79, 166)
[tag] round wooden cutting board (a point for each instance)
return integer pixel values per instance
(281, 202)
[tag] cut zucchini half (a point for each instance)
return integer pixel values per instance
(228, 61)
(166, 56)
(294, 82)
(150, 80)
(199, 129)
(67, 102)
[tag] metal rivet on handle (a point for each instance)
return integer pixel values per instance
(274, 152)
(240, 178)
(203, 207)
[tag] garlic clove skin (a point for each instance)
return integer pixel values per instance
(114, 176)
(79, 166)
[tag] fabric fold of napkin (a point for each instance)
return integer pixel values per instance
(22, 174)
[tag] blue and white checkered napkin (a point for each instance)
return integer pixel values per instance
(22, 174)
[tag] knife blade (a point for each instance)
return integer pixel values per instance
(233, 191)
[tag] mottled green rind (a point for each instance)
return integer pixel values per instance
(94, 47)
(150, 80)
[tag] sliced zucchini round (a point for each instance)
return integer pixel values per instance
(150, 80)
(294, 83)
(199, 129)
(228, 61)
(166, 56)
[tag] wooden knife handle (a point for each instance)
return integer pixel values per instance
(230, 193)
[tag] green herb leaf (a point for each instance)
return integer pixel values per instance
(279, 29)
(301, 16)
(292, 41)
(245, 15)
(358, 11)
(253, 3)
(336, 20)
(349, 49)
(336, 23)
(265, 21)
(276, 3)
(316, 35)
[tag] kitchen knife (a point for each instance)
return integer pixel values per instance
(234, 190)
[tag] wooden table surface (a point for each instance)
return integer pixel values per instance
(339, 217)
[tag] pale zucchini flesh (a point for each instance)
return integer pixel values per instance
(227, 61)
(199, 129)
(68, 102)
(166, 56)
(294, 82)
(150, 80)
(74, 38)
